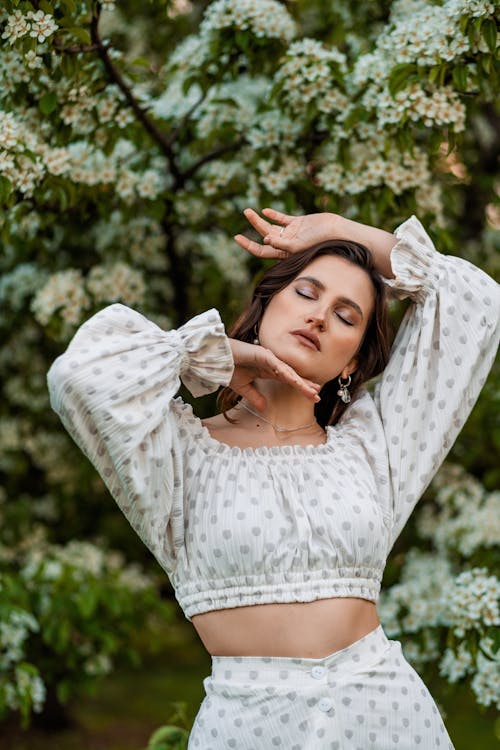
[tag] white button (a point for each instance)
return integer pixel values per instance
(318, 672)
(325, 705)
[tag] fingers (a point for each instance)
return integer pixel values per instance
(280, 242)
(280, 371)
(277, 216)
(253, 396)
(260, 251)
(258, 223)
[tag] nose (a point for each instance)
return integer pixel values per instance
(317, 318)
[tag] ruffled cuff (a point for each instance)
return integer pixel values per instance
(415, 262)
(207, 360)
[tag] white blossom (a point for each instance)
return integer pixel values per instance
(64, 293)
(307, 73)
(486, 681)
(116, 282)
(264, 18)
(42, 25)
(17, 26)
(224, 251)
(473, 600)
(453, 665)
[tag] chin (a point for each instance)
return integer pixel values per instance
(300, 361)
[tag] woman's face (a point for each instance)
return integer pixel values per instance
(316, 323)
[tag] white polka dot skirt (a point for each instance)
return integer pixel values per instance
(363, 697)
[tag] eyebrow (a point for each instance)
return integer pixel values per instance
(319, 285)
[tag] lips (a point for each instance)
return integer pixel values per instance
(310, 338)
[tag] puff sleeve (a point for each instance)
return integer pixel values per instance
(440, 359)
(112, 389)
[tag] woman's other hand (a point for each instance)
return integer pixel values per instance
(252, 361)
(288, 234)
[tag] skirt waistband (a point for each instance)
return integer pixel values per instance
(276, 669)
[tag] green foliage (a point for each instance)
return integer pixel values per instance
(67, 615)
(168, 738)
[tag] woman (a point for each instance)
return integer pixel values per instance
(274, 519)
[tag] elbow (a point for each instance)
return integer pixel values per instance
(60, 382)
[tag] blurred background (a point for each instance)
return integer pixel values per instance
(132, 136)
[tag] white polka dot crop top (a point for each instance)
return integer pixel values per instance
(234, 527)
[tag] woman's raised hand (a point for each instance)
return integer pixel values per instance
(288, 234)
(252, 361)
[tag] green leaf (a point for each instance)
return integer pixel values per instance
(81, 34)
(5, 188)
(434, 73)
(459, 76)
(48, 103)
(489, 32)
(241, 39)
(63, 691)
(486, 64)
(70, 4)
(141, 62)
(87, 602)
(452, 141)
(400, 76)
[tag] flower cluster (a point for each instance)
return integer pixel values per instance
(486, 681)
(116, 282)
(440, 107)
(272, 128)
(218, 174)
(432, 598)
(309, 73)
(276, 179)
(232, 105)
(264, 18)
(410, 605)
(21, 687)
(64, 293)
(372, 164)
(222, 249)
(142, 237)
(36, 24)
(465, 517)
(18, 285)
(77, 578)
(70, 295)
(15, 629)
(472, 601)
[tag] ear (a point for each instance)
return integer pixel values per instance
(350, 368)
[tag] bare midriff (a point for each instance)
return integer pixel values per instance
(309, 630)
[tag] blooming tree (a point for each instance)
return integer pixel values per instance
(132, 136)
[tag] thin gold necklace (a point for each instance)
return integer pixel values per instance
(277, 427)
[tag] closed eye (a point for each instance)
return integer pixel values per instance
(347, 322)
(301, 294)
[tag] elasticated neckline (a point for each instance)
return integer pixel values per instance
(211, 444)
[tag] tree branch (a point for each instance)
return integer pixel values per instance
(75, 49)
(212, 155)
(115, 75)
(175, 132)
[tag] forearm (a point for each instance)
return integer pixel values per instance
(378, 241)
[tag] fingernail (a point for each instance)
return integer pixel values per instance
(317, 398)
(267, 238)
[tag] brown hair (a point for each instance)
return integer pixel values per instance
(373, 352)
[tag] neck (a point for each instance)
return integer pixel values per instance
(285, 406)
